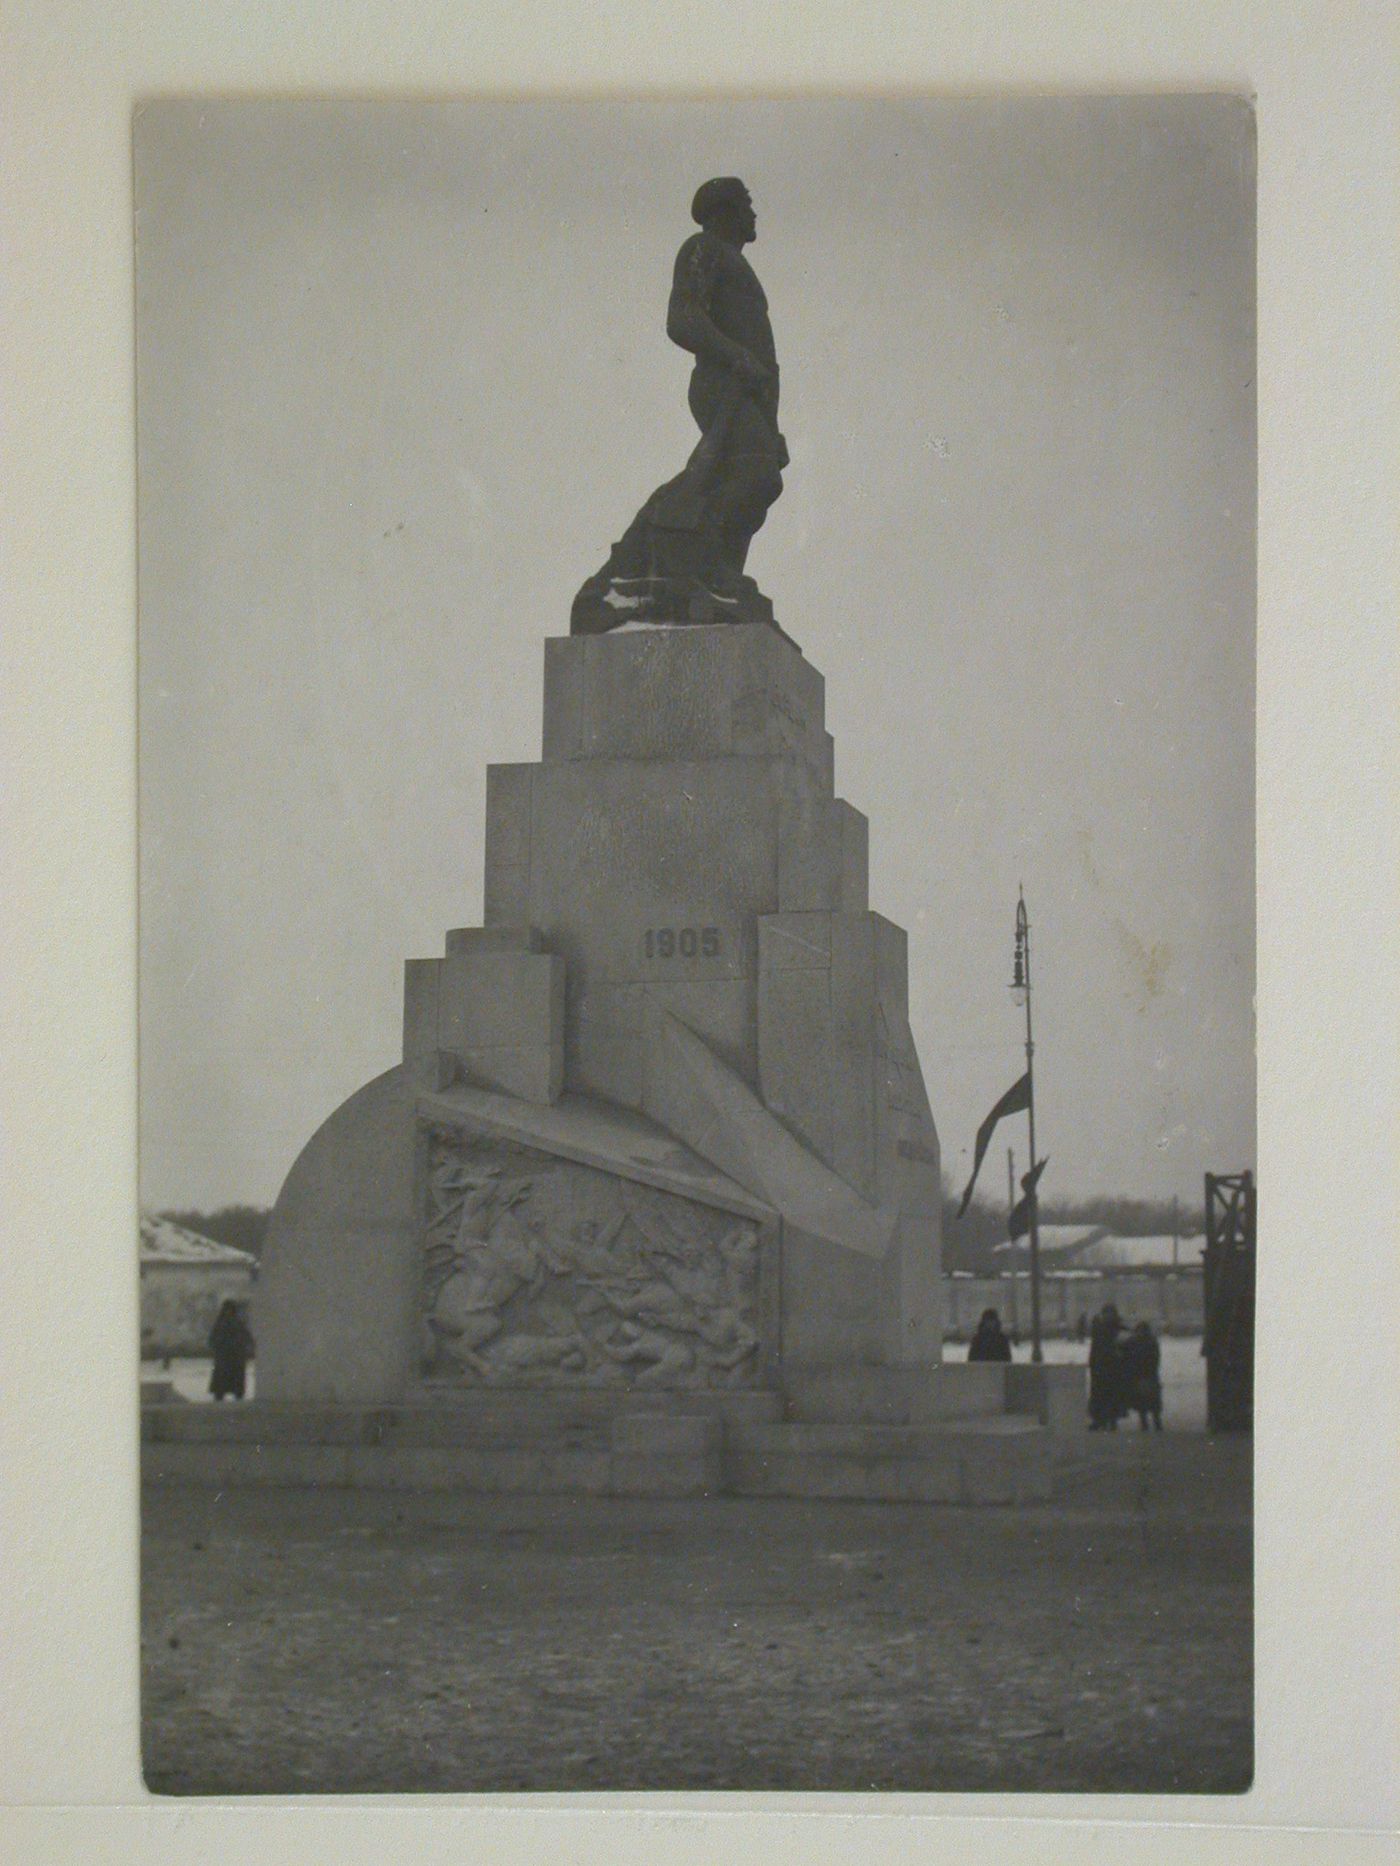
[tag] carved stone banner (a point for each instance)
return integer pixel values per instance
(539, 1271)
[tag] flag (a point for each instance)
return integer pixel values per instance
(1017, 1097)
(1019, 1222)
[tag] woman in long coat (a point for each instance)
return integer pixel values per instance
(989, 1343)
(1106, 1399)
(231, 1344)
(1142, 1375)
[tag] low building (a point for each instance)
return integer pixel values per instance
(1152, 1279)
(184, 1278)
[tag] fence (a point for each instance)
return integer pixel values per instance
(1173, 1302)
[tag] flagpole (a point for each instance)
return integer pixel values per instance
(1023, 954)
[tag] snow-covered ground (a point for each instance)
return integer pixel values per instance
(1183, 1376)
(190, 1377)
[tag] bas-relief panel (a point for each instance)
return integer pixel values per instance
(539, 1271)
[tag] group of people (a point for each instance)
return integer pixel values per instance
(1125, 1372)
(1125, 1367)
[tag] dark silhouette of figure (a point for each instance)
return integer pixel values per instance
(989, 1343)
(1142, 1375)
(1106, 1403)
(719, 313)
(231, 1344)
(682, 558)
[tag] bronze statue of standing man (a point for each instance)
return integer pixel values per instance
(682, 558)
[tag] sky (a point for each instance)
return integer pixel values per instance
(402, 379)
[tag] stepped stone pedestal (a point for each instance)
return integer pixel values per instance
(659, 1137)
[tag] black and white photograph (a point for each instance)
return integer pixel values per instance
(699, 825)
(696, 827)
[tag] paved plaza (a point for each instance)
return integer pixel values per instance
(303, 1641)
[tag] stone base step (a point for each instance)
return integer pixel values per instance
(845, 1436)
(749, 1404)
(628, 1451)
(984, 1461)
(498, 1417)
(233, 1465)
(632, 1454)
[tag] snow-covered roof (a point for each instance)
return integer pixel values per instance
(162, 1241)
(1061, 1240)
(1094, 1247)
(1153, 1253)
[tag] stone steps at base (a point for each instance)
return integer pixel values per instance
(985, 1461)
(952, 1478)
(634, 1454)
(750, 1405)
(500, 1419)
(860, 1438)
(383, 1467)
(351, 1431)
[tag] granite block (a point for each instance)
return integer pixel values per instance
(878, 1394)
(565, 697)
(589, 1473)
(234, 1466)
(668, 1474)
(491, 998)
(689, 1090)
(534, 1072)
(660, 1434)
(851, 1060)
(824, 762)
(794, 1023)
(912, 1292)
(971, 1389)
(830, 1308)
(685, 692)
(599, 1061)
(420, 1010)
(1057, 1396)
(1010, 1471)
(890, 946)
(852, 836)
(508, 851)
(927, 1480)
(654, 870)
(790, 942)
(335, 1303)
(268, 1424)
(809, 847)
(494, 939)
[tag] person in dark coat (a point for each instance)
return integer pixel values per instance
(1142, 1375)
(989, 1343)
(231, 1344)
(1106, 1402)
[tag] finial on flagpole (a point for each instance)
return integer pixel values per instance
(1021, 966)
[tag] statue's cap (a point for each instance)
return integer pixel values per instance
(711, 197)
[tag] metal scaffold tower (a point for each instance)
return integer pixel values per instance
(1229, 1302)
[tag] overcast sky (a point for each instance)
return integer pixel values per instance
(403, 378)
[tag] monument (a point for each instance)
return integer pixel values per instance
(657, 1160)
(682, 558)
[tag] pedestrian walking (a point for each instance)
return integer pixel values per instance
(1106, 1406)
(989, 1343)
(1142, 1375)
(231, 1344)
